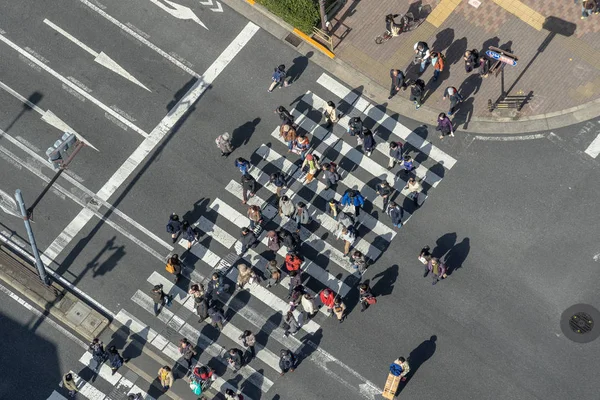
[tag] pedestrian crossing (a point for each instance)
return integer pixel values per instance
(257, 308)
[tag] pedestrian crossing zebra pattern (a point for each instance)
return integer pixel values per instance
(116, 386)
(260, 309)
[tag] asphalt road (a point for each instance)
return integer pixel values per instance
(516, 219)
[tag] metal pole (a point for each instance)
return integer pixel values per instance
(323, 15)
(63, 166)
(36, 253)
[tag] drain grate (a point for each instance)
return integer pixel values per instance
(293, 40)
(581, 323)
(577, 323)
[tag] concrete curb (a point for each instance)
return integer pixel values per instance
(378, 94)
(66, 308)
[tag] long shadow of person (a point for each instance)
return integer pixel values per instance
(385, 285)
(241, 135)
(463, 114)
(456, 51)
(443, 39)
(418, 357)
(300, 64)
(457, 255)
(444, 244)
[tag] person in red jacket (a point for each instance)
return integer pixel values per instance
(292, 262)
(327, 298)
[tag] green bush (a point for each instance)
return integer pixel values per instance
(301, 14)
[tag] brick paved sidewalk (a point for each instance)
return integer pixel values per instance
(565, 74)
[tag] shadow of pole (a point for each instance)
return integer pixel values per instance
(554, 26)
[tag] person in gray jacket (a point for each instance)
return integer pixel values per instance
(395, 213)
(330, 175)
(395, 154)
(290, 324)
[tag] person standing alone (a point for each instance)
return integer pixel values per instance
(398, 81)
(278, 78)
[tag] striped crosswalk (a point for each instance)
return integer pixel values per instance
(258, 308)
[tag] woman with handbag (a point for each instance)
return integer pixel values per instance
(366, 298)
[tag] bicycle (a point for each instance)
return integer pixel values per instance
(409, 24)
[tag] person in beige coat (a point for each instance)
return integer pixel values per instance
(308, 304)
(339, 309)
(244, 275)
(69, 384)
(165, 376)
(286, 207)
(330, 114)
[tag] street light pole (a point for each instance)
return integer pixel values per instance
(38, 261)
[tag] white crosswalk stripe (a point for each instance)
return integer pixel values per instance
(363, 106)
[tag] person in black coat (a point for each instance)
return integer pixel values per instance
(115, 359)
(368, 141)
(287, 361)
(417, 91)
(174, 226)
(248, 187)
(395, 213)
(248, 240)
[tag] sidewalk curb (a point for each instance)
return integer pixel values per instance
(427, 115)
(66, 308)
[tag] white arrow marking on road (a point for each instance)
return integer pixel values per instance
(8, 204)
(368, 391)
(594, 148)
(179, 11)
(210, 3)
(100, 58)
(47, 116)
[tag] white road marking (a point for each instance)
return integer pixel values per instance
(47, 116)
(139, 37)
(594, 148)
(218, 7)
(179, 11)
(72, 86)
(157, 134)
(86, 389)
(510, 138)
(40, 315)
(9, 205)
(105, 372)
(56, 396)
(364, 106)
(101, 58)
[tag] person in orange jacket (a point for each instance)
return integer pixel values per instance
(437, 59)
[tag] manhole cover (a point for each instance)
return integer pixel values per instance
(293, 39)
(578, 323)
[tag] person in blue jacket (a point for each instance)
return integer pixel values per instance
(354, 198)
(243, 165)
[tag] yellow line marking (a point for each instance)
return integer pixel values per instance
(442, 12)
(314, 43)
(523, 12)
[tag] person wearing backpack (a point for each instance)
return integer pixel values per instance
(355, 126)
(160, 299)
(224, 144)
(286, 207)
(98, 353)
(395, 213)
(248, 187)
(330, 175)
(353, 197)
(277, 179)
(174, 267)
(366, 298)
(417, 90)
(174, 226)
(248, 240)
(348, 235)
(452, 93)
(438, 61)
(187, 352)
(287, 361)
(311, 167)
(395, 154)
(248, 341)
(285, 115)
(278, 78)
(189, 234)
(272, 273)
(471, 59)
(301, 216)
(359, 262)
(422, 55)
(368, 142)
(398, 81)
(288, 134)
(385, 191)
(444, 125)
